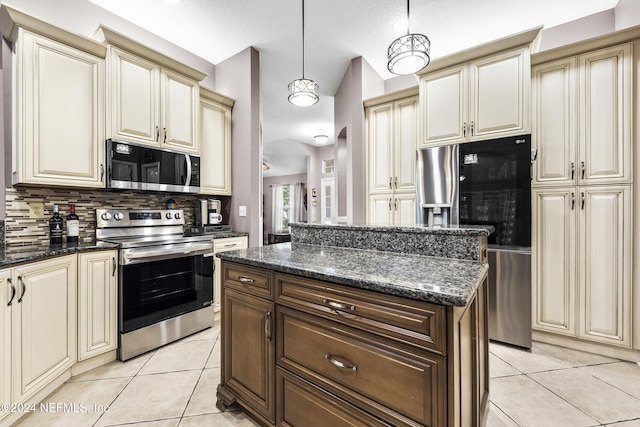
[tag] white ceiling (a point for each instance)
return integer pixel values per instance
(336, 31)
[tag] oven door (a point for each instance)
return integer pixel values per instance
(161, 282)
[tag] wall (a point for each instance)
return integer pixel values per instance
(268, 196)
(580, 29)
(239, 78)
(627, 14)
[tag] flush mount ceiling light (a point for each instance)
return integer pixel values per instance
(408, 54)
(303, 92)
(321, 138)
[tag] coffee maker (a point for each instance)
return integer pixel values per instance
(208, 218)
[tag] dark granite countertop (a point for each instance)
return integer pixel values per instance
(221, 234)
(466, 230)
(19, 255)
(443, 281)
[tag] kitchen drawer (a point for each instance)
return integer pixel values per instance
(230, 244)
(247, 279)
(416, 323)
(304, 405)
(398, 383)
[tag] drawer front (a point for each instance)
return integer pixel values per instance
(229, 244)
(304, 405)
(414, 322)
(247, 279)
(402, 385)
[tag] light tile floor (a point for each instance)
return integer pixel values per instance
(175, 386)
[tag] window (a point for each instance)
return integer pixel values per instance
(282, 207)
(328, 166)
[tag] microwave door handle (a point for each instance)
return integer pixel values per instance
(187, 182)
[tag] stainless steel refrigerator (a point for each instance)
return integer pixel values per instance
(487, 183)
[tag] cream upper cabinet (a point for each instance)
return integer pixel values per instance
(58, 105)
(391, 148)
(97, 303)
(482, 99)
(582, 116)
(152, 105)
(44, 325)
(581, 260)
(7, 296)
(215, 143)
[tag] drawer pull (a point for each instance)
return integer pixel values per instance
(339, 306)
(339, 364)
(230, 245)
(243, 279)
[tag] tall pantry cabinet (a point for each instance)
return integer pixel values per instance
(582, 193)
(391, 152)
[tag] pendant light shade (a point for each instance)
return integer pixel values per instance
(408, 54)
(303, 92)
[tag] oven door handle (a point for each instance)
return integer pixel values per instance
(159, 253)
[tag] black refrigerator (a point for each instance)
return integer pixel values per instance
(495, 189)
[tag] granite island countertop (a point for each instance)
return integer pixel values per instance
(444, 281)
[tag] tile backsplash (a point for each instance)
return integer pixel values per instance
(20, 230)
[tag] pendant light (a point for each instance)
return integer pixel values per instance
(408, 54)
(303, 92)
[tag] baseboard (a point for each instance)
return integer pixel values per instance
(628, 354)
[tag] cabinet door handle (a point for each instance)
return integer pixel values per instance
(582, 200)
(113, 265)
(582, 169)
(573, 200)
(340, 364)
(157, 133)
(24, 289)
(573, 170)
(339, 306)
(165, 134)
(390, 182)
(464, 129)
(101, 172)
(396, 182)
(13, 292)
(390, 204)
(243, 279)
(267, 326)
(472, 126)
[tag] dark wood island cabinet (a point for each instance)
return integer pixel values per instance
(308, 341)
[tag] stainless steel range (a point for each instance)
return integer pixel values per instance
(165, 283)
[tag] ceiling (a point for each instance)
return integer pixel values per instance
(336, 31)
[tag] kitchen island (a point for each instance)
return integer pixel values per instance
(358, 325)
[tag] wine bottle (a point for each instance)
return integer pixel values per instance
(55, 227)
(73, 225)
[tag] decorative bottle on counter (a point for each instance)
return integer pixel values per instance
(73, 225)
(55, 227)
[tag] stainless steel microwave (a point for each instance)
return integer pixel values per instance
(139, 167)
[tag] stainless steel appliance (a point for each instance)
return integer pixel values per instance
(437, 186)
(138, 167)
(492, 186)
(165, 283)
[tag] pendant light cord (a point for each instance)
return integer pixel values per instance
(408, 24)
(302, 39)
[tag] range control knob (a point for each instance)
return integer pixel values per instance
(118, 216)
(106, 216)
(168, 215)
(177, 215)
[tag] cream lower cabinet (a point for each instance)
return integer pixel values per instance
(583, 118)
(97, 303)
(482, 99)
(223, 245)
(44, 325)
(581, 253)
(392, 209)
(7, 296)
(58, 107)
(215, 143)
